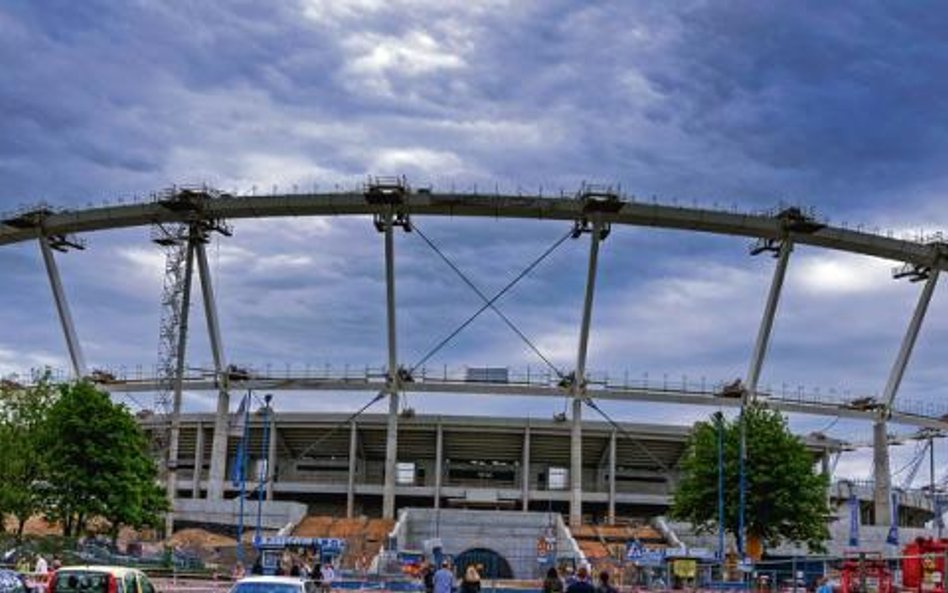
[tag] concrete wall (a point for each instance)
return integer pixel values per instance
(513, 535)
(273, 514)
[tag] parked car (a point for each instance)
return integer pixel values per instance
(12, 582)
(260, 584)
(99, 579)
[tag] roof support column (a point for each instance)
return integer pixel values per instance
(767, 323)
(175, 433)
(392, 385)
(62, 307)
(612, 479)
(215, 487)
(525, 470)
(579, 383)
(439, 464)
(882, 493)
(198, 461)
(271, 455)
(353, 458)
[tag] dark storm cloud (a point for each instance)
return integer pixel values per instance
(741, 105)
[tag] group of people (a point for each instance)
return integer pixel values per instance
(323, 574)
(581, 582)
(39, 568)
(442, 580)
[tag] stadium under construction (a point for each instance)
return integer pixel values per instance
(369, 464)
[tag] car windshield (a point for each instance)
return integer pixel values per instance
(75, 581)
(264, 587)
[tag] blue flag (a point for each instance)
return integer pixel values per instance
(893, 535)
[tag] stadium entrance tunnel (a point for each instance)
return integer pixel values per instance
(489, 563)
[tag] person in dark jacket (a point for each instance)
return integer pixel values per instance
(604, 585)
(582, 584)
(427, 577)
(552, 583)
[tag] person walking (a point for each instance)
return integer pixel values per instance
(552, 583)
(472, 580)
(444, 579)
(42, 568)
(427, 577)
(328, 576)
(604, 585)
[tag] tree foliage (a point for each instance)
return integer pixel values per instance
(785, 495)
(23, 412)
(96, 463)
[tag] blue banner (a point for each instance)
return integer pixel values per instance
(893, 536)
(853, 520)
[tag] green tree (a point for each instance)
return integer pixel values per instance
(23, 411)
(785, 495)
(98, 463)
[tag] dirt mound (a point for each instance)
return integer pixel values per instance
(363, 535)
(35, 525)
(200, 538)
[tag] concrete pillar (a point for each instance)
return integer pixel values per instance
(576, 465)
(198, 461)
(392, 386)
(579, 384)
(882, 494)
(439, 464)
(180, 362)
(612, 478)
(525, 470)
(272, 456)
(353, 457)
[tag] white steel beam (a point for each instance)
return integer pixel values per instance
(908, 341)
(767, 322)
(579, 383)
(62, 307)
(215, 487)
(815, 407)
(472, 205)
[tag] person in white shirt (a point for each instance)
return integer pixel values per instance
(329, 575)
(41, 567)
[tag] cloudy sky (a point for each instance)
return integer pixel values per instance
(737, 105)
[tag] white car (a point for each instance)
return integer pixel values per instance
(258, 584)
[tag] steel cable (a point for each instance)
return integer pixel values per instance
(489, 302)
